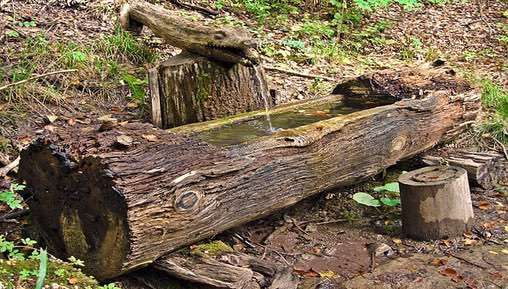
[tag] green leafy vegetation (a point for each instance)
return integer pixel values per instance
(25, 266)
(495, 101)
(11, 198)
(388, 195)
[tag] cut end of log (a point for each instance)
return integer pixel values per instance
(127, 23)
(87, 219)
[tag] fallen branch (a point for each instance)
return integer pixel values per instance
(36, 77)
(204, 10)
(14, 215)
(297, 73)
(5, 170)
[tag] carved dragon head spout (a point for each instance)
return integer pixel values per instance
(227, 45)
(230, 45)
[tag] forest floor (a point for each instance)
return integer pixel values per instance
(326, 238)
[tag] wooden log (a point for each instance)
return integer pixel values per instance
(436, 202)
(229, 270)
(119, 205)
(188, 88)
(484, 169)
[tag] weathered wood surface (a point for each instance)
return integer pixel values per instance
(229, 270)
(485, 169)
(215, 41)
(188, 88)
(120, 205)
(436, 202)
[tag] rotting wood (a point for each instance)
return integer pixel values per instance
(485, 169)
(188, 88)
(436, 202)
(232, 270)
(122, 207)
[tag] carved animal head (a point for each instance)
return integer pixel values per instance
(230, 45)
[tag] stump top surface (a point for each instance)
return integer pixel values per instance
(434, 175)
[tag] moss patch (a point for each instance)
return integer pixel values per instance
(213, 248)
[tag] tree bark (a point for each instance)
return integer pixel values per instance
(121, 198)
(485, 169)
(188, 88)
(436, 202)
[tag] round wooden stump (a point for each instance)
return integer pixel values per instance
(188, 88)
(436, 202)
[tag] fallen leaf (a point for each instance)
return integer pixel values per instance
(124, 140)
(483, 205)
(493, 253)
(132, 104)
(397, 241)
(72, 280)
(506, 228)
(438, 262)
(327, 274)
(150, 137)
(449, 272)
(71, 121)
(50, 118)
(470, 242)
(504, 251)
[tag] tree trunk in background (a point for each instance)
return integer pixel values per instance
(436, 202)
(188, 88)
(485, 169)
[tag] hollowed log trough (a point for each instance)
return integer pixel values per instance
(121, 198)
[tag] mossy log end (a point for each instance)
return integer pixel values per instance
(120, 205)
(188, 88)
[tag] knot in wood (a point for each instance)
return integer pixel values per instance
(187, 200)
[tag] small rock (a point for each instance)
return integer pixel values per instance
(124, 140)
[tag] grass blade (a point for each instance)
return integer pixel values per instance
(43, 266)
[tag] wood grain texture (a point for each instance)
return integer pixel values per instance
(484, 169)
(121, 207)
(194, 89)
(229, 270)
(436, 202)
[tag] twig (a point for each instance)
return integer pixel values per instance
(297, 73)
(298, 227)
(332, 221)
(467, 261)
(501, 145)
(5, 170)
(13, 215)
(204, 10)
(36, 77)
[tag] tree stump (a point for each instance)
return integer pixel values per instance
(188, 88)
(436, 202)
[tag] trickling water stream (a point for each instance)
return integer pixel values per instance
(263, 89)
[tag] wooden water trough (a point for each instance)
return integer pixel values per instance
(123, 197)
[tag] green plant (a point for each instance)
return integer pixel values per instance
(11, 33)
(136, 86)
(11, 197)
(123, 44)
(27, 23)
(390, 196)
(43, 266)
